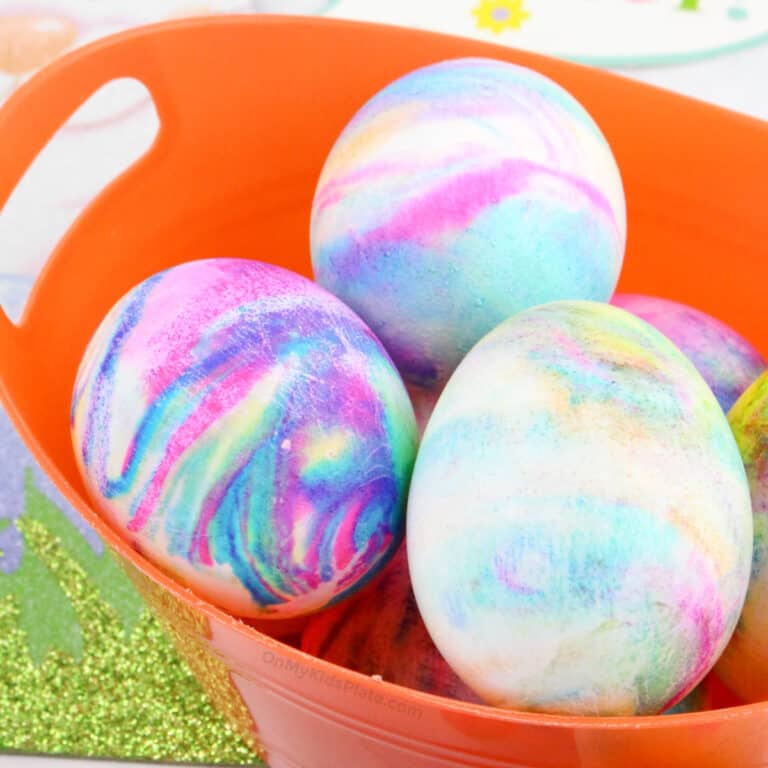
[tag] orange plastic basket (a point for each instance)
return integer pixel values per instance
(249, 107)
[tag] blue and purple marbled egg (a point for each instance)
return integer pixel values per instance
(248, 433)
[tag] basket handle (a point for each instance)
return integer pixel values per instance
(35, 111)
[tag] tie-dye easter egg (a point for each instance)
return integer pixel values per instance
(458, 195)
(579, 526)
(726, 360)
(744, 665)
(380, 632)
(248, 433)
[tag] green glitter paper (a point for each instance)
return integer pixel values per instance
(84, 667)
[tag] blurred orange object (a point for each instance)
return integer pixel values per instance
(28, 41)
(249, 108)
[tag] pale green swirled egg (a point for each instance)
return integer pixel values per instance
(579, 526)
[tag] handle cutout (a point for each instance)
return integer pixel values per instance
(105, 136)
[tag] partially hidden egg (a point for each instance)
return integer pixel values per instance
(744, 665)
(710, 693)
(458, 195)
(248, 433)
(695, 701)
(380, 632)
(726, 360)
(579, 527)
(423, 400)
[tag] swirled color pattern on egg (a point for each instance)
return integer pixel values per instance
(726, 360)
(744, 665)
(579, 528)
(249, 433)
(458, 195)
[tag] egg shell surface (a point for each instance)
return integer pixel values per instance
(458, 195)
(248, 433)
(726, 360)
(579, 528)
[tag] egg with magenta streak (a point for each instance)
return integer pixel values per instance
(726, 360)
(380, 632)
(248, 433)
(579, 528)
(458, 195)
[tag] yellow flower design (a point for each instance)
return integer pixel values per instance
(498, 15)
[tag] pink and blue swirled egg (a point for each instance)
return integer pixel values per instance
(248, 432)
(458, 195)
(726, 360)
(579, 525)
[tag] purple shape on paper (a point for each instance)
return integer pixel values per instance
(14, 460)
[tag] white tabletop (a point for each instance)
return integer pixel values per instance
(737, 81)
